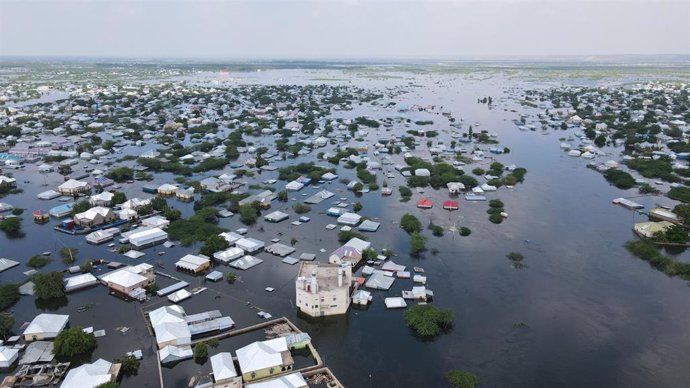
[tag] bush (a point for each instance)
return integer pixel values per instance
(478, 171)
(428, 321)
(9, 295)
(130, 365)
(357, 207)
(68, 254)
(678, 193)
(346, 235)
(410, 223)
(496, 203)
(417, 244)
(231, 277)
(48, 286)
(620, 179)
(73, 342)
(200, 352)
(189, 231)
(405, 193)
(465, 231)
(11, 226)
(213, 244)
(249, 213)
(38, 261)
(436, 230)
(461, 379)
(496, 218)
(301, 208)
(515, 256)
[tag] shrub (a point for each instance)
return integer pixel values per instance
(461, 379)
(465, 231)
(231, 277)
(301, 208)
(200, 352)
(73, 342)
(38, 261)
(436, 230)
(48, 286)
(428, 321)
(9, 295)
(417, 244)
(410, 223)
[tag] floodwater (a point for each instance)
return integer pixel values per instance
(583, 313)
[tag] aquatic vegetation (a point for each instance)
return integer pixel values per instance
(428, 321)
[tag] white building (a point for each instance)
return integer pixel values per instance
(91, 375)
(323, 289)
(45, 326)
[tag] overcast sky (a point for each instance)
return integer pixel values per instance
(342, 29)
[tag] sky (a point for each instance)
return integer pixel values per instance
(342, 29)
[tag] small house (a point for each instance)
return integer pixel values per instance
(263, 359)
(45, 326)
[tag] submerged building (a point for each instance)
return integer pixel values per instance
(323, 289)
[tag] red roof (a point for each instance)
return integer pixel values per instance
(451, 205)
(425, 203)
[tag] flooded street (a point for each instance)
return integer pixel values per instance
(583, 313)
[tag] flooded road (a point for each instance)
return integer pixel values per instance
(584, 312)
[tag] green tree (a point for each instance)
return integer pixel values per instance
(6, 323)
(38, 261)
(357, 207)
(677, 234)
(417, 244)
(231, 277)
(80, 207)
(73, 342)
(427, 320)
(130, 365)
(213, 244)
(462, 379)
(600, 141)
(282, 196)
(301, 208)
(410, 223)
(172, 214)
(9, 295)
(119, 197)
(11, 226)
(86, 267)
(68, 254)
(49, 285)
(200, 352)
(249, 213)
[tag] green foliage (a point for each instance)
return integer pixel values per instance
(428, 321)
(6, 323)
(290, 173)
(12, 226)
(73, 342)
(683, 212)
(369, 254)
(9, 295)
(301, 208)
(200, 352)
(172, 214)
(620, 179)
(515, 256)
(68, 254)
(678, 193)
(357, 207)
(213, 244)
(465, 231)
(496, 203)
(600, 141)
(48, 286)
(80, 207)
(417, 244)
(346, 235)
(130, 365)
(676, 234)
(38, 261)
(646, 250)
(119, 198)
(478, 171)
(121, 174)
(646, 188)
(249, 213)
(231, 277)
(650, 168)
(462, 379)
(109, 384)
(282, 196)
(410, 223)
(496, 218)
(436, 230)
(194, 229)
(441, 174)
(86, 267)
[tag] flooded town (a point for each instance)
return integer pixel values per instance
(344, 223)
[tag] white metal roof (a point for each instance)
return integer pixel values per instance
(88, 375)
(293, 380)
(261, 355)
(47, 323)
(223, 367)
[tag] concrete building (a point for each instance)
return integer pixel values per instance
(74, 187)
(128, 279)
(45, 326)
(323, 289)
(95, 216)
(293, 380)
(146, 237)
(263, 359)
(193, 264)
(91, 375)
(351, 252)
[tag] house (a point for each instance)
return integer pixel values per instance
(293, 380)
(74, 187)
(103, 199)
(45, 326)
(455, 188)
(166, 189)
(249, 245)
(350, 252)
(7, 181)
(451, 205)
(91, 375)
(193, 263)
(170, 327)
(323, 289)
(350, 219)
(145, 237)
(128, 279)
(425, 203)
(224, 371)
(155, 222)
(651, 229)
(94, 217)
(276, 216)
(263, 359)
(8, 356)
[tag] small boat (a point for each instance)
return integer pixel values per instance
(46, 253)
